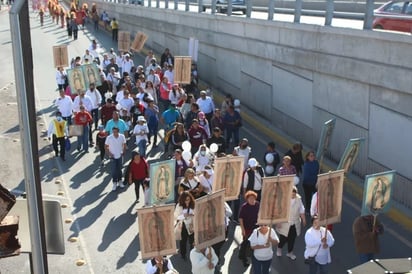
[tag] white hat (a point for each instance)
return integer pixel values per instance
(141, 119)
(252, 162)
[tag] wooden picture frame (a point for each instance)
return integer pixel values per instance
(156, 231)
(325, 138)
(75, 130)
(350, 154)
(377, 193)
(182, 69)
(9, 243)
(275, 201)
(76, 80)
(7, 201)
(228, 173)
(330, 192)
(209, 219)
(139, 41)
(162, 182)
(91, 75)
(123, 42)
(60, 56)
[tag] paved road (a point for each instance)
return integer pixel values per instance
(105, 223)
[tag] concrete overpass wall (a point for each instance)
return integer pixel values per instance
(297, 76)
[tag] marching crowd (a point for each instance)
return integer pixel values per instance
(125, 112)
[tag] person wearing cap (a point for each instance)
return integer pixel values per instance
(58, 130)
(253, 178)
(115, 148)
(101, 142)
(288, 231)
(243, 149)
(197, 136)
(65, 105)
(140, 131)
(318, 241)
(206, 104)
(261, 241)
(106, 112)
(83, 118)
(217, 139)
(127, 63)
(232, 122)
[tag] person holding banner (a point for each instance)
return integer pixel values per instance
(184, 213)
(366, 230)
(203, 261)
(261, 241)
(159, 264)
(318, 241)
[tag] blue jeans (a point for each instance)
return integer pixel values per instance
(313, 268)
(142, 147)
(84, 139)
(365, 257)
(117, 169)
(261, 267)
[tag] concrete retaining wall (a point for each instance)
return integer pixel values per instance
(297, 76)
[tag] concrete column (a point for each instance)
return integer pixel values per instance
(298, 11)
(249, 4)
(229, 8)
(368, 20)
(157, 3)
(271, 10)
(329, 12)
(214, 6)
(166, 4)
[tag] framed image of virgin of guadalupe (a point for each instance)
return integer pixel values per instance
(350, 154)
(228, 172)
(377, 193)
(330, 191)
(275, 201)
(162, 182)
(76, 80)
(325, 138)
(91, 75)
(156, 231)
(209, 219)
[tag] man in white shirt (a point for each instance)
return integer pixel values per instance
(126, 102)
(96, 99)
(206, 105)
(127, 64)
(120, 93)
(169, 73)
(82, 99)
(65, 105)
(140, 131)
(115, 147)
(88, 56)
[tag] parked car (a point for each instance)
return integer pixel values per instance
(221, 5)
(394, 15)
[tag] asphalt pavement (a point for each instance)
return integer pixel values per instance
(102, 226)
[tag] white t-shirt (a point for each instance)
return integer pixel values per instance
(257, 238)
(116, 145)
(65, 105)
(138, 129)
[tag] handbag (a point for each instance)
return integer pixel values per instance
(75, 130)
(178, 230)
(67, 144)
(311, 259)
(245, 251)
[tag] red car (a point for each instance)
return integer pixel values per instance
(394, 15)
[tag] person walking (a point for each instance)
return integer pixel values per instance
(203, 260)
(261, 241)
(58, 130)
(366, 230)
(318, 242)
(115, 148)
(138, 172)
(184, 213)
(83, 118)
(115, 29)
(310, 177)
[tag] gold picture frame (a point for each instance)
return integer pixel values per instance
(275, 201)
(228, 173)
(76, 80)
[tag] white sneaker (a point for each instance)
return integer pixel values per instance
(291, 256)
(121, 185)
(279, 252)
(114, 187)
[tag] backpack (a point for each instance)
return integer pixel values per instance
(251, 177)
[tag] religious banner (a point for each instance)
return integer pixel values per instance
(138, 42)
(156, 231)
(325, 138)
(60, 56)
(228, 172)
(7, 201)
(162, 182)
(76, 80)
(329, 201)
(275, 201)
(9, 243)
(91, 75)
(123, 43)
(350, 154)
(209, 220)
(182, 69)
(377, 193)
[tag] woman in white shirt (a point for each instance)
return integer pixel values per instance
(206, 179)
(60, 78)
(318, 241)
(261, 241)
(184, 213)
(288, 231)
(176, 94)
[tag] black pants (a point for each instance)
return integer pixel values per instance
(114, 34)
(95, 115)
(59, 143)
(75, 34)
(185, 238)
(290, 239)
(137, 183)
(309, 191)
